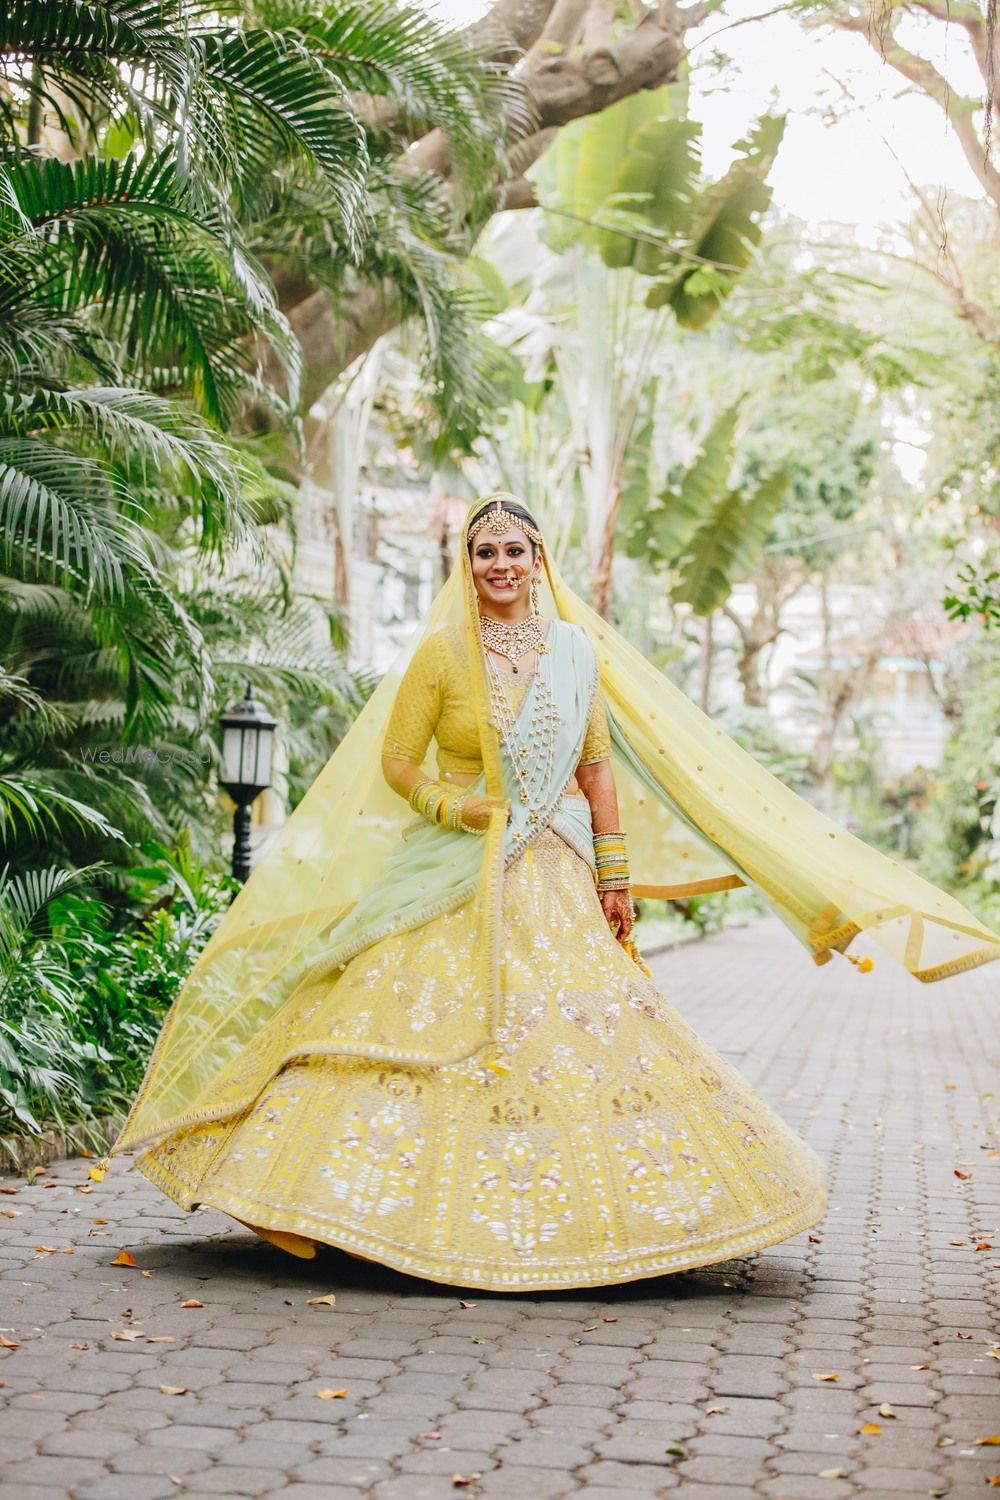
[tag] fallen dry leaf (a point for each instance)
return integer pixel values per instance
(11, 1213)
(993, 1441)
(325, 1393)
(124, 1258)
(985, 1245)
(963, 1175)
(145, 1273)
(945, 1442)
(8, 1343)
(330, 1300)
(870, 1429)
(458, 1480)
(174, 1390)
(467, 1304)
(815, 1239)
(192, 1302)
(993, 1480)
(84, 1189)
(127, 1335)
(9, 1190)
(956, 1242)
(98, 1221)
(69, 1250)
(97, 1174)
(714, 1411)
(47, 1249)
(163, 1338)
(920, 1367)
(885, 1410)
(825, 1375)
(967, 1336)
(607, 1318)
(79, 1346)
(429, 1437)
(590, 1328)
(830, 1474)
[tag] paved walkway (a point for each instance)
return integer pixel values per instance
(756, 1378)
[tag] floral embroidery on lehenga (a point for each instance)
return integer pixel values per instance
(618, 1145)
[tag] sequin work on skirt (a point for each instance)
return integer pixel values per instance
(619, 1145)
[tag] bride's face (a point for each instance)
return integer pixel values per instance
(503, 567)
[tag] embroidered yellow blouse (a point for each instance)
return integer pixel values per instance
(433, 701)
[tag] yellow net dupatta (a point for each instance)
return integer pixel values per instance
(222, 1037)
(700, 814)
(693, 801)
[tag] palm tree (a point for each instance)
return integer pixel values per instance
(142, 144)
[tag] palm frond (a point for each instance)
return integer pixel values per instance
(420, 73)
(154, 436)
(28, 801)
(95, 59)
(116, 238)
(268, 87)
(56, 519)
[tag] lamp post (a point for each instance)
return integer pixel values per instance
(247, 753)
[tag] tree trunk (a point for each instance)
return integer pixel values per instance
(749, 674)
(705, 667)
(774, 585)
(556, 87)
(600, 594)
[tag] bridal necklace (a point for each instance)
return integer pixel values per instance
(529, 748)
(517, 639)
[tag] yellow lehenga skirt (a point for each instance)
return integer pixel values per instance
(618, 1145)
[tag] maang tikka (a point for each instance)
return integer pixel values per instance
(499, 520)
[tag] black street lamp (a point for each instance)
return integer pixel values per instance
(247, 752)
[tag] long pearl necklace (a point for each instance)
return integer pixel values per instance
(529, 751)
(517, 639)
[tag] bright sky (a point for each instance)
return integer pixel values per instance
(838, 162)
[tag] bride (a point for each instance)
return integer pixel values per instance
(423, 1032)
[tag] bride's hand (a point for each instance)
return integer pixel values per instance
(617, 907)
(476, 811)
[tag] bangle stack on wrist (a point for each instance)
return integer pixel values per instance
(441, 804)
(611, 861)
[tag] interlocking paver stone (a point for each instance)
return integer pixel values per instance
(890, 1085)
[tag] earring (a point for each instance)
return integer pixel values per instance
(534, 596)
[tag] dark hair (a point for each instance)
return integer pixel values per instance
(516, 510)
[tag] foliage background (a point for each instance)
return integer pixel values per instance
(254, 255)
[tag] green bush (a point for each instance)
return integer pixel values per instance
(961, 846)
(85, 985)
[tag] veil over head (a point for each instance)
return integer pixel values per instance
(700, 814)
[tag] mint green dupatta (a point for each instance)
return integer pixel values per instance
(434, 869)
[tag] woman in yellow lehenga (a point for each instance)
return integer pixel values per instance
(423, 1034)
